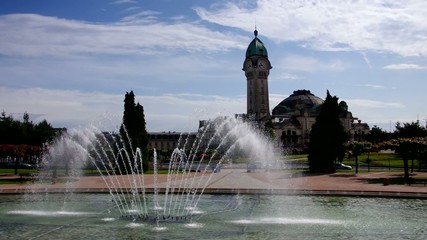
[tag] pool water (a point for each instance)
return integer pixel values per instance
(94, 216)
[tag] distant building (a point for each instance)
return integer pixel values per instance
(294, 117)
(359, 130)
(168, 141)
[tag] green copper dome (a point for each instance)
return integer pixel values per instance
(299, 99)
(256, 47)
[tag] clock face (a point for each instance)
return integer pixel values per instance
(249, 65)
(261, 64)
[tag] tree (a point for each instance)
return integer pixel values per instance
(42, 132)
(141, 134)
(23, 140)
(327, 137)
(134, 132)
(269, 129)
(409, 130)
(408, 149)
(377, 135)
(356, 149)
(26, 132)
(10, 130)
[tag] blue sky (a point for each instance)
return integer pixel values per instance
(71, 62)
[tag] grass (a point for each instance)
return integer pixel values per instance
(298, 156)
(381, 159)
(386, 160)
(12, 181)
(8, 171)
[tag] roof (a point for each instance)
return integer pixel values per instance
(256, 47)
(300, 99)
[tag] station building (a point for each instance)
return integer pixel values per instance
(292, 118)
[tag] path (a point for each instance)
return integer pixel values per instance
(240, 181)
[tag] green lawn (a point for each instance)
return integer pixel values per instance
(385, 160)
(8, 171)
(12, 181)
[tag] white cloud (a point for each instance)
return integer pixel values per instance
(372, 86)
(367, 61)
(145, 17)
(275, 99)
(310, 64)
(285, 76)
(366, 103)
(60, 106)
(66, 108)
(123, 1)
(391, 26)
(36, 35)
(188, 109)
(156, 72)
(404, 66)
(379, 113)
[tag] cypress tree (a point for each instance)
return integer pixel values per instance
(327, 137)
(133, 130)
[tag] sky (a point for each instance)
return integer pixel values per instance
(72, 62)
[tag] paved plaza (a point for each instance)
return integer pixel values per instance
(241, 181)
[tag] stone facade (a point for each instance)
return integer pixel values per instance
(168, 141)
(294, 117)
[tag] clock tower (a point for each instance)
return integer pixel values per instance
(257, 68)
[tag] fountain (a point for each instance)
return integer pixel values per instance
(180, 204)
(190, 167)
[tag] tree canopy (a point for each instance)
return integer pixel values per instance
(377, 135)
(409, 141)
(26, 132)
(409, 130)
(22, 141)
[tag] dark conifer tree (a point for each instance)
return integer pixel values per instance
(133, 131)
(327, 137)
